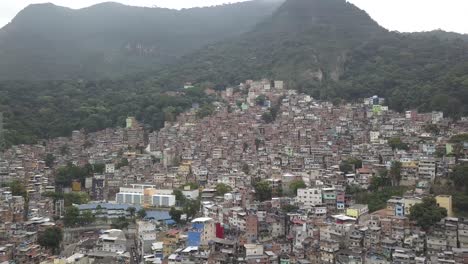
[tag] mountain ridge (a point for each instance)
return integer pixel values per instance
(111, 40)
(330, 55)
(333, 55)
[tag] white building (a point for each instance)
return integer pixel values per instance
(161, 200)
(145, 195)
(374, 136)
(310, 197)
(110, 168)
(279, 85)
(129, 198)
(427, 168)
(113, 240)
(146, 234)
(253, 250)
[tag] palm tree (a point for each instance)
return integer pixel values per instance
(132, 211)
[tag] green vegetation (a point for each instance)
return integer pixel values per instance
(332, 50)
(350, 165)
(51, 239)
(69, 198)
(295, 185)
(289, 208)
(377, 200)
(427, 213)
(189, 207)
(459, 176)
(49, 160)
(222, 189)
(329, 49)
(120, 223)
(18, 188)
(112, 40)
(205, 110)
(457, 187)
(395, 173)
(131, 211)
(396, 143)
(67, 174)
(48, 109)
(73, 217)
(123, 162)
(460, 138)
(176, 215)
(261, 100)
(141, 213)
(263, 191)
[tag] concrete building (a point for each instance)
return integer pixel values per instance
(113, 240)
(309, 198)
(203, 230)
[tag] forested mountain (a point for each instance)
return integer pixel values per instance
(328, 48)
(444, 35)
(304, 40)
(111, 40)
(332, 49)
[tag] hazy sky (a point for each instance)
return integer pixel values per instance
(401, 15)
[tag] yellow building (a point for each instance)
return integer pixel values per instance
(357, 210)
(170, 242)
(445, 201)
(76, 186)
(184, 168)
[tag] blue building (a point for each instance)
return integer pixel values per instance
(202, 231)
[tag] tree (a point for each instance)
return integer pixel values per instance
(191, 208)
(245, 168)
(131, 210)
(263, 191)
(192, 185)
(258, 142)
(123, 162)
(18, 189)
(54, 195)
(295, 185)
(289, 208)
(49, 160)
(71, 217)
(205, 110)
(457, 151)
(141, 213)
(180, 197)
(260, 100)
(175, 214)
(267, 117)
(459, 176)
(65, 175)
(432, 128)
(396, 143)
(345, 167)
(427, 213)
(51, 238)
(99, 168)
(395, 172)
(75, 198)
(222, 189)
(86, 218)
(356, 162)
(120, 223)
